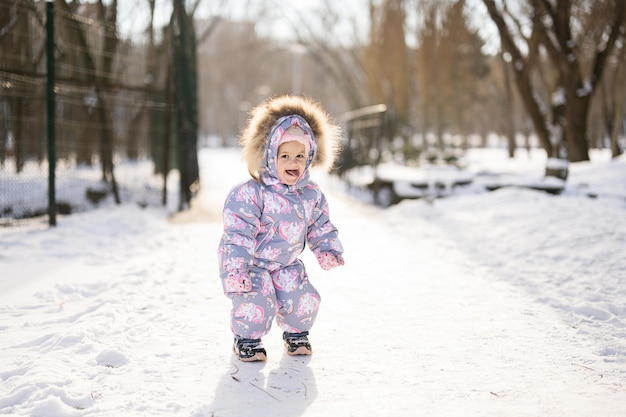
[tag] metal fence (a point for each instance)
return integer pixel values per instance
(114, 137)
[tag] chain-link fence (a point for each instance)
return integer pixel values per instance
(114, 135)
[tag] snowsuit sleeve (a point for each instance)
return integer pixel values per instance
(322, 235)
(241, 226)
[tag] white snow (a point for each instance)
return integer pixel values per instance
(509, 303)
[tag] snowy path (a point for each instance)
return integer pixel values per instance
(132, 322)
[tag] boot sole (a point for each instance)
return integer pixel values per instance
(301, 351)
(258, 357)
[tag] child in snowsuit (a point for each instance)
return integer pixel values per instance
(269, 219)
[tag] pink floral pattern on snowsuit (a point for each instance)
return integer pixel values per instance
(267, 225)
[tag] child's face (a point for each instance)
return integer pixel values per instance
(291, 162)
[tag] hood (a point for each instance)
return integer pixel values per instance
(269, 120)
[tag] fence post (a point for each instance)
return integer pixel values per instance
(50, 100)
(185, 85)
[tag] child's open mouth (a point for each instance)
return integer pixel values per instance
(295, 173)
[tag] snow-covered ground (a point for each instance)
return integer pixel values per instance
(26, 194)
(510, 303)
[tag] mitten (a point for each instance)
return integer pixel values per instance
(237, 282)
(329, 261)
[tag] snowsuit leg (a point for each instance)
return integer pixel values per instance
(298, 300)
(253, 312)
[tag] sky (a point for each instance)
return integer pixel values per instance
(134, 16)
(284, 16)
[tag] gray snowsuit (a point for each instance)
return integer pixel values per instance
(267, 225)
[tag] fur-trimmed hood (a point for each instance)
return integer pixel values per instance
(265, 119)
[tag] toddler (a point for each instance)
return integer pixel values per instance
(269, 219)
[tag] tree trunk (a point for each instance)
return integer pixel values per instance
(618, 100)
(522, 78)
(185, 79)
(532, 108)
(109, 48)
(18, 136)
(576, 127)
(509, 127)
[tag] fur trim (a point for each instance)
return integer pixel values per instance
(263, 117)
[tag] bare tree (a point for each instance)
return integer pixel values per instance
(387, 66)
(555, 31)
(185, 77)
(619, 92)
(21, 53)
(339, 58)
(98, 74)
(450, 71)
(428, 64)
(508, 116)
(109, 47)
(608, 110)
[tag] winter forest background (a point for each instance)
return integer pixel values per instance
(148, 80)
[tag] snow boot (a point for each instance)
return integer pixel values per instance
(297, 343)
(249, 350)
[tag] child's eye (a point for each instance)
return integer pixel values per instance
(300, 156)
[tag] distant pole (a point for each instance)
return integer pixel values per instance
(52, 218)
(297, 52)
